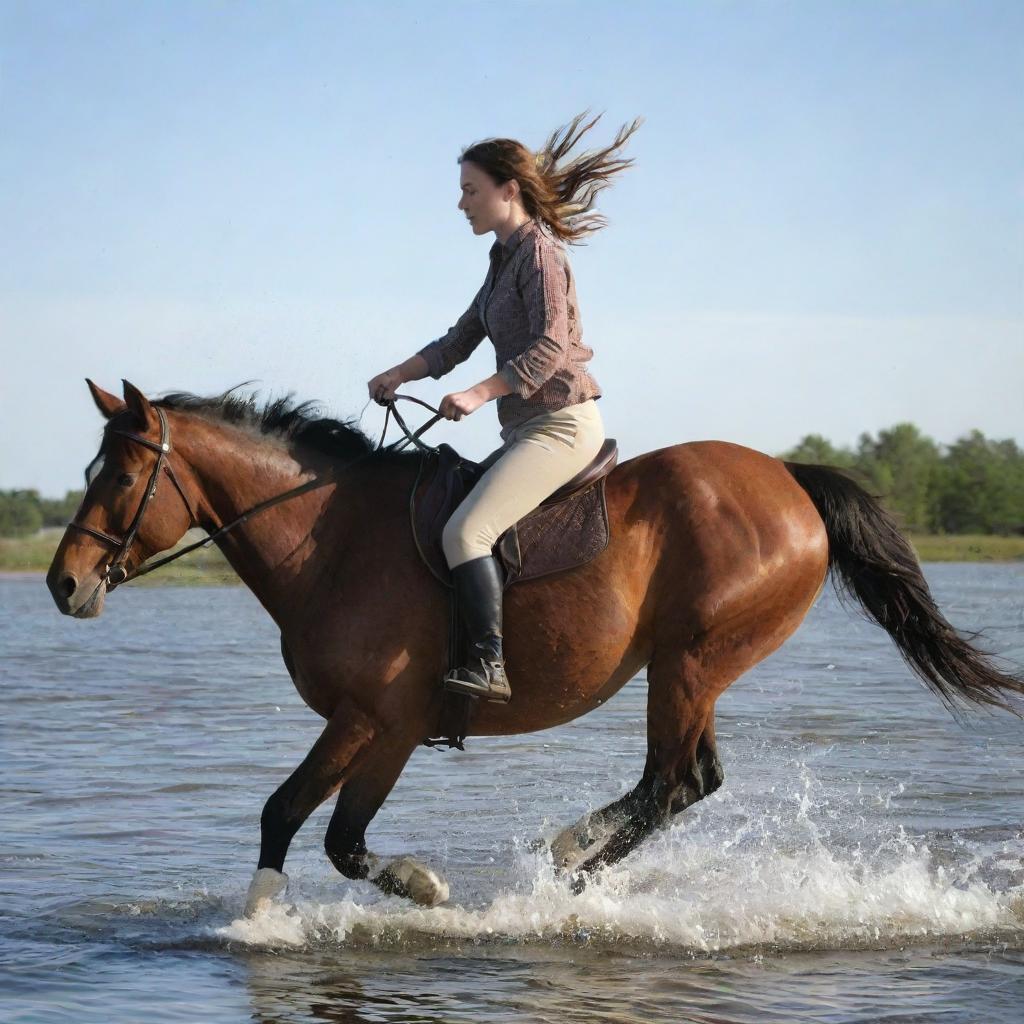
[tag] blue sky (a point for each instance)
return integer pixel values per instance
(823, 231)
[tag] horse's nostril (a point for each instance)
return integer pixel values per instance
(68, 585)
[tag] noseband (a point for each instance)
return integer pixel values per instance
(115, 572)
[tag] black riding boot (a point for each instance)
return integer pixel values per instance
(478, 585)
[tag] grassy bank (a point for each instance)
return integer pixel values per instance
(207, 565)
(967, 548)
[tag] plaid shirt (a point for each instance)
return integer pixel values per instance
(527, 307)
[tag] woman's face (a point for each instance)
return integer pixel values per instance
(485, 204)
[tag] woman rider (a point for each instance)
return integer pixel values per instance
(550, 425)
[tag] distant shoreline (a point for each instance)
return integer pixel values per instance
(27, 558)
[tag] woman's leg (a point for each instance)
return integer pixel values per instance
(540, 456)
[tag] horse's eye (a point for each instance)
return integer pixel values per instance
(126, 479)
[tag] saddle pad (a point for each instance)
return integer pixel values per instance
(549, 539)
(556, 537)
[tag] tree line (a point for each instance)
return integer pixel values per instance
(975, 485)
(26, 512)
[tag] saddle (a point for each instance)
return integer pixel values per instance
(569, 528)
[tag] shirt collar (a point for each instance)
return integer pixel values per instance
(512, 242)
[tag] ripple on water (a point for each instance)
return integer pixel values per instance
(865, 851)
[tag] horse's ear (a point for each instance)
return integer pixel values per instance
(107, 403)
(138, 404)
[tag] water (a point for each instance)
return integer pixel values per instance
(862, 862)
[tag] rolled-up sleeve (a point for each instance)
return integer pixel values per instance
(457, 345)
(544, 287)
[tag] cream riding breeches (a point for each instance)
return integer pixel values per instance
(538, 456)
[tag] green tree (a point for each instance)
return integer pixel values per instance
(60, 511)
(20, 513)
(903, 465)
(981, 487)
(819, 451)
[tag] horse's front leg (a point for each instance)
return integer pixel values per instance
(359, 800)
(347, 735)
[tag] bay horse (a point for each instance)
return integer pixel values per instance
(717, 552)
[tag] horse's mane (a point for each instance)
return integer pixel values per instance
(287, 419)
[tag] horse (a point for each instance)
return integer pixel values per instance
(717, 552)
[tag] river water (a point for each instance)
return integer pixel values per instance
(862, 862)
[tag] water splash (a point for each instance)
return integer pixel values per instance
(796, 871)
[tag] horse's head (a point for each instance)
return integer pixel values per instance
(125, 517)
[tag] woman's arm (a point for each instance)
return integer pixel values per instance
(414, 368)
(462, 403)
(433, 360)
(456, 346)
(384, 385)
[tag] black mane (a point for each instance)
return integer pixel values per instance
(285, 418)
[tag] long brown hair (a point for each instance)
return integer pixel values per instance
(560, 195)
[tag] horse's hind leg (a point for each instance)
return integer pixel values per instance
(682, 767)
(346, 736)
(359, 800)
(607, 835)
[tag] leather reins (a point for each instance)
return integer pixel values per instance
(115, 573)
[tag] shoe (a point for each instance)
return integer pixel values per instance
(479, 588)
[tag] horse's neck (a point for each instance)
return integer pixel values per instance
(235, 471)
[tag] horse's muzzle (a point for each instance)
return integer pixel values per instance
(79, 599)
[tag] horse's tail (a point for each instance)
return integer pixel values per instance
(872, 561)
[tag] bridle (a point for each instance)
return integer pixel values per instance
(115, 573)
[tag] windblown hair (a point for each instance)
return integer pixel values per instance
(557, 191)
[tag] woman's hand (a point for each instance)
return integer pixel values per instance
(384, 385)
(461, 403)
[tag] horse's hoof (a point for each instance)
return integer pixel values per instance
(415, 881)
(265, 885)
(567, 851)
